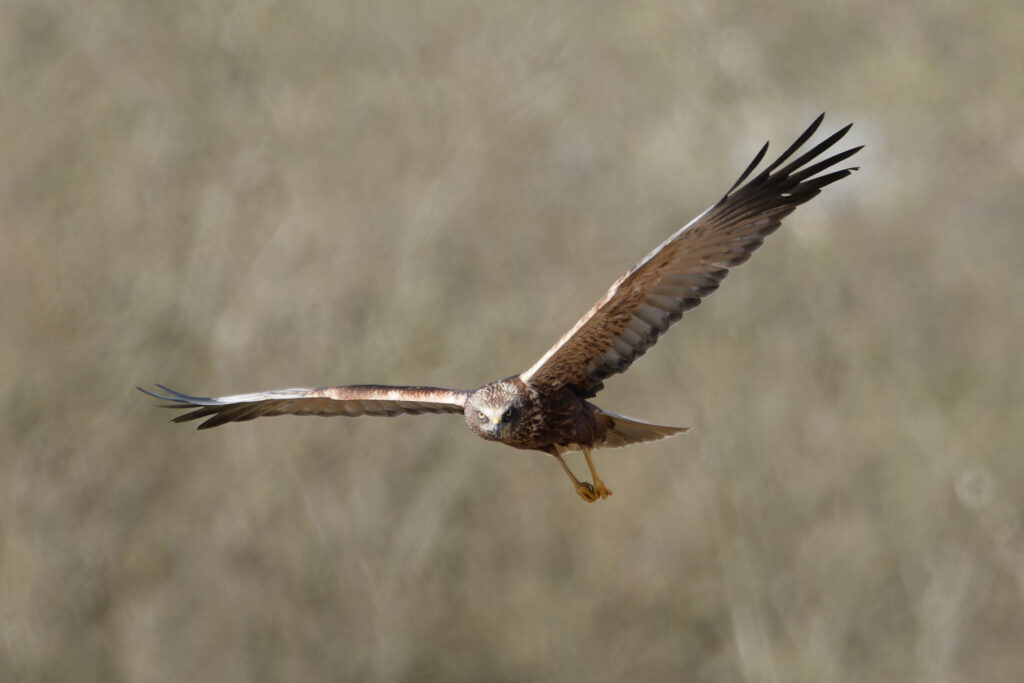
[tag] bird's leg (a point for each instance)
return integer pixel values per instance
(599, 488)
(583, 489)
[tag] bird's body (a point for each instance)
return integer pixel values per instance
(511, 412)
(545, 408)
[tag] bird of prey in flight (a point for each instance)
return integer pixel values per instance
(546, 408)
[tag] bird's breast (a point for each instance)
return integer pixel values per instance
(554, 418)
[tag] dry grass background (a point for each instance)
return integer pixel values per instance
(237, 196)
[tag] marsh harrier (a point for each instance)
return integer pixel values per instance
(546, 408)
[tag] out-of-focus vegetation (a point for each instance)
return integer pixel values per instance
(235, 196)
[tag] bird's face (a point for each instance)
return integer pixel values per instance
(491, 421)
(492, 412)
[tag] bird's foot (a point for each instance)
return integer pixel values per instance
(591, 492)
(586, 491)
(600, 489)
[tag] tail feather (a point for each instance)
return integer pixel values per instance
(622, 431)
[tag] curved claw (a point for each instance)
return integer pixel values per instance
(586, 491)
(601, 490)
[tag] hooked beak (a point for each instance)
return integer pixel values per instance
(496, 419)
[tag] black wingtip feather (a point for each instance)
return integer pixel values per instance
(147, 392)
(797, 144)
(789, 175)
(814, 151)
(822, 165)
(177, 403)
(743, 176)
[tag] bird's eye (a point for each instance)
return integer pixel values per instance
(480, 414)
(507, 416)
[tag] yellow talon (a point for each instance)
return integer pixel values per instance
(586, 492)
(600, 489)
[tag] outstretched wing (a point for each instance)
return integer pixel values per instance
(350, 401)
(685, 268)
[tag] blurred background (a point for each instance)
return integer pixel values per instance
(229, 197)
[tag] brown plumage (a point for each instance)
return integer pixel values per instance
(545, 408)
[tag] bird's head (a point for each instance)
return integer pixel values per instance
(493, 410)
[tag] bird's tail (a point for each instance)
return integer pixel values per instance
(622, 431)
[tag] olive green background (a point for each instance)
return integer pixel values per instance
(233, 196)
